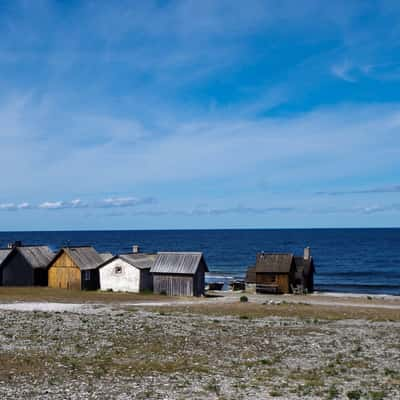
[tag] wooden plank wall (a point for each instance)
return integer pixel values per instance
(281, 280)
(173, 285)
(17, 272)
(64, 274)
(283, 283)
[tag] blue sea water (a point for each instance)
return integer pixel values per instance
(347, 260)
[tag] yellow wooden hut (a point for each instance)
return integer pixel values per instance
(76, 268)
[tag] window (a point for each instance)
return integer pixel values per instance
(86, 275)
(118, 270)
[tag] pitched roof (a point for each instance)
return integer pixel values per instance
(3, 254)
(274, 263)
(85, 257)
(139, 260)
(37, 256)
(178, 263)
(106, 256)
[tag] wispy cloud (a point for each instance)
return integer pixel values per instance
(118, 202)
(112, 202)
(344, 71)
(377, 190)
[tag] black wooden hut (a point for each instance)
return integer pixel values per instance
(179, 273)
(25, 266)
(304, 276)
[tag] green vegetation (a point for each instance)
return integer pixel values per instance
(333, 392)
(354, 394)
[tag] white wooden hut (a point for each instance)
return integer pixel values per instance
(127, 273)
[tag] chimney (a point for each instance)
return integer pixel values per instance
(307, 253)
(135, 248)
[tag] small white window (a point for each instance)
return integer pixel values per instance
(86, 275)
(118, 270)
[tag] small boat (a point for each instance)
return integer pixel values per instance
(215, 285)
(238, 284)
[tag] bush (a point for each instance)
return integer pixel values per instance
(332, 392)
(377, 395)
(354, 394)
(244, 299)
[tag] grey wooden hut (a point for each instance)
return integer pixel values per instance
(25, 266)
(179, 273)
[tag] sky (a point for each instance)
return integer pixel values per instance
(199, 114)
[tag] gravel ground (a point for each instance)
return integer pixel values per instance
(83, 351)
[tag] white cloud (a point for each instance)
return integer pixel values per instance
(7, 206)
(24, 206)
(52, 205)
(111, 202)
(344, 71)
(124, 202)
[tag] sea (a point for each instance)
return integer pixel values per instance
(347, 260)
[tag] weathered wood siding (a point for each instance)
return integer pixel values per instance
(64, 274)
(146, 280)
(173, 285)
(17, 272)
(180, 284)
(280, 280)
(118, 275)
(199, 280)
(310, 282)
(251, 275)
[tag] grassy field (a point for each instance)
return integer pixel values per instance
(9, 294)
(258, 305)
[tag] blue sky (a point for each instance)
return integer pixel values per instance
(199, 114)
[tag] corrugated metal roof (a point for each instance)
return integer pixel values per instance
(178, 263)
(3, 254)
(139, 260)
(84, 257)
(37, 256)
(274, 263)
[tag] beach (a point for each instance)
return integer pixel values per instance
(79, 345)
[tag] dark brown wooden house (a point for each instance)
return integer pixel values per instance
(282, 273)
(179, 274)
(275, 272)
(25, 265)
(76, 268)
